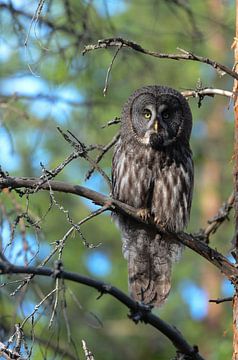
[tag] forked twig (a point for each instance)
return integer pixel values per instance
(183, 55)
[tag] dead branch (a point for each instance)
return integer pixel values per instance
(207, 92)
(116, 120)
(183, 55)
(109, 71)
(81, 149)
(193, 242)
(7, 353)
(4, 99)
(219, 301)
(88, 354)
(104, 150)
(50, 24)
(217, 220)
(138, 312)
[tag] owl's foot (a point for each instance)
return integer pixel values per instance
(144, 214)
(161, 224)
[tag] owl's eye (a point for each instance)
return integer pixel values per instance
(147, 114)
(165, 115)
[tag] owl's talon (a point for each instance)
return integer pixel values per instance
(159, 223)
(144, 214)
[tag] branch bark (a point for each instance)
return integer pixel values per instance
(183, 55)
(138, 312)
(191, 241)
(235, 88)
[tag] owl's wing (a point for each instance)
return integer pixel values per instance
(151, 255)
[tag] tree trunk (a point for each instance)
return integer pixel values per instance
(235, 89)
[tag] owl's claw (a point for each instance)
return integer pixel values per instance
(160, 223)
(144, 214)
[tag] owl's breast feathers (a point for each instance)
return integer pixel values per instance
(153, 170)
(160, 181)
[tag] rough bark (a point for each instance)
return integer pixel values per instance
(235, 301)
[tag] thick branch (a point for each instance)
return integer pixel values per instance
(183, 55)
(139, 312)
(200, 247)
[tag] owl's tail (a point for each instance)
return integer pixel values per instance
(150, 259)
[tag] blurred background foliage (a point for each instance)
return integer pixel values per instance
(46, 82)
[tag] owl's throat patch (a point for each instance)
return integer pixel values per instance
(156, 141)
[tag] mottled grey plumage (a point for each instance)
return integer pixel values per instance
(153, 171)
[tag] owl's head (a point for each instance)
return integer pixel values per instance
(157, 116)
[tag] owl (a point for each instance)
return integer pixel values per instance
(152, 171)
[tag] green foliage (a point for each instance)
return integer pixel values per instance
(53, 56)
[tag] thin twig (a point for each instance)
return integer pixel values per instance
(36, 308)
(104, 150)
(88, 354)
(82, 151)
(19, 338)
(55, 302)
(200, 247)
(116, 120)
(8, 353)
(35, 18)
(217, 220)
(110, 69)
(208, 92)
(183, 55)
(138, 312)
(219, 301)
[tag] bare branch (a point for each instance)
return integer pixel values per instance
(219, 301)
(104, 150)
(207, 92)
(7, 353)
(138, 312)
(41, 19)
(183, 55)
(81, 149)
(193, 242)
(109, 70)
(88, 354)
(217, 220)
(116, 120)
(49, 98)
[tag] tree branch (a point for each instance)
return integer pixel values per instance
(183, 55)
(7, 353)
(14, 11)
(138, 312)
(207, 92)
(219, 301)
(191, 241)
(215, 222)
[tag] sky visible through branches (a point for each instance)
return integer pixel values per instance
(30, 84)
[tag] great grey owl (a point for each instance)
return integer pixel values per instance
(153, 172)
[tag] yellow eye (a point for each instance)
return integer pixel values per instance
(147, 114)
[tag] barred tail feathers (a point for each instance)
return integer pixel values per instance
(150, 258)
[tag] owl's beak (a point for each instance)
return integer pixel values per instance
(156, 125)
